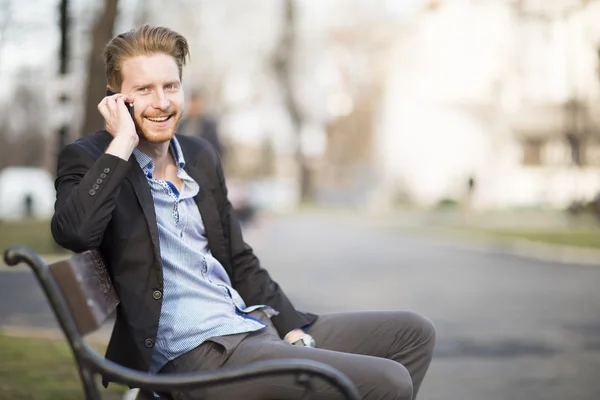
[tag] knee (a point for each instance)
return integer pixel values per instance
(422, 329)
(395, 382)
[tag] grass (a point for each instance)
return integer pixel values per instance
(43, 369)
(586, 239)
(33, 233)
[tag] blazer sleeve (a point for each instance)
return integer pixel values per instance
(86, 191)
(252, 281)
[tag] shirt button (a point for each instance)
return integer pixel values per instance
(106, 170)
(92, 192)
(148, 343)
(95, 186)
(103, 176)
(157, 295)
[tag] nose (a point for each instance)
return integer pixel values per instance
(161, 100)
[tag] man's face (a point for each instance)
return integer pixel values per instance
(153, 82)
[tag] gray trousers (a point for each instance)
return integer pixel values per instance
(385, 354)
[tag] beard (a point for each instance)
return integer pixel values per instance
(157, 135)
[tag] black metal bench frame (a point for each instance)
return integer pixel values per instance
(89, 363)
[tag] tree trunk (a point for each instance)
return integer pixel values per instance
(96, 80)
(282, 62)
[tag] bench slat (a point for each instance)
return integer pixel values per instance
(86, 285)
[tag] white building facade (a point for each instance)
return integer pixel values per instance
(490, 90)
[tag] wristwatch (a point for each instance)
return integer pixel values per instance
(305, 340)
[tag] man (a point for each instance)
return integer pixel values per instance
(193, 295)
(197, 123)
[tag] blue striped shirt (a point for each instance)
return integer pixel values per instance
(198, 300)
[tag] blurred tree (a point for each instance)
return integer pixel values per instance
(283, 60)
(96, 80)
(22, 136)
(266, 164)
(361, 51)
(5, 17)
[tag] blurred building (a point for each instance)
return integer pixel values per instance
(506, 92)
(399, 100)
(408, 101)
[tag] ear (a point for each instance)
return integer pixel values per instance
(109, 91)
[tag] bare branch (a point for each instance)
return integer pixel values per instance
(5, 18)
(96, 81)
(283, 59)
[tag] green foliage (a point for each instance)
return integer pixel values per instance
(589, 238)
(447, 203)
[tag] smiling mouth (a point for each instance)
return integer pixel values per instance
(159, 119)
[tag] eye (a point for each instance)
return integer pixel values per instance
(143, 89)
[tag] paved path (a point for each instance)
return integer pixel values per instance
(508, 327)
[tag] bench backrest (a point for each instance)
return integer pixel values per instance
(86, 285)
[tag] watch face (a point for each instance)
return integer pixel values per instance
(308, 341)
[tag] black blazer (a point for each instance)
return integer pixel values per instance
(105, 202)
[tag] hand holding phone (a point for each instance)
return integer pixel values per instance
(129, 105)
(117, 110)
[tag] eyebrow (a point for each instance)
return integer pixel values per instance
(143, 85)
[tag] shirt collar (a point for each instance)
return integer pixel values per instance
(176, 149)
(146, 163)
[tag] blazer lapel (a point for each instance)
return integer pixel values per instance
(144, 196)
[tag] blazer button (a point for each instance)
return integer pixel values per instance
(157, 295)
(92, 192)
(148, 343)
(95, 186)
(103, 175)
(106, 170)
(98, 181)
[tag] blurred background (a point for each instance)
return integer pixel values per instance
(441, 156)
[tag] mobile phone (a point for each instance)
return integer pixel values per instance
(129, 105)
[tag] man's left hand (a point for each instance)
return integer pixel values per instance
(300, 338)
(294, 335)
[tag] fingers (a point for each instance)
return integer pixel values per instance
(103, 108)
(120, 104)
(121, 96)
(110, 105)
(112, 108)
(114, 98)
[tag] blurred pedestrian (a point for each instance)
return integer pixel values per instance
(467, 205)
(198, 123)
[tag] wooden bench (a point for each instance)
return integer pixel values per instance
(82, 297)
